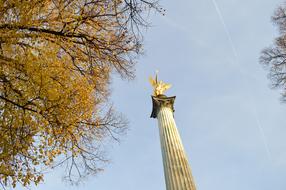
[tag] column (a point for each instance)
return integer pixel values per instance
(176, 167)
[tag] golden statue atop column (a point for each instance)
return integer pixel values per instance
(177, 170)
(159, 87)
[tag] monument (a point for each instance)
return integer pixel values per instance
(177, 170)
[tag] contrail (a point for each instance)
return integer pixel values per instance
(258, 122)
(262, 133)
(225, 29)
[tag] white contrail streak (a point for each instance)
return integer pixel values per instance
(225, 29)
(261, 131)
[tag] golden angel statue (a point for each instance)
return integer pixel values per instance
(159, 86)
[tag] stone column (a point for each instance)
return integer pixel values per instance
(177, 171)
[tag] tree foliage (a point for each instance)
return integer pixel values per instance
(274, 57)
(56, 57)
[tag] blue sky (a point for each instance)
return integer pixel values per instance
(232, 124)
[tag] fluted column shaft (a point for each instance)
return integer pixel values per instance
(177, 171)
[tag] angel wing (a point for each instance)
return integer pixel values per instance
(152, 82)
(166, 86)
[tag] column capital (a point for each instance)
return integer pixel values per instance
(161, 101)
